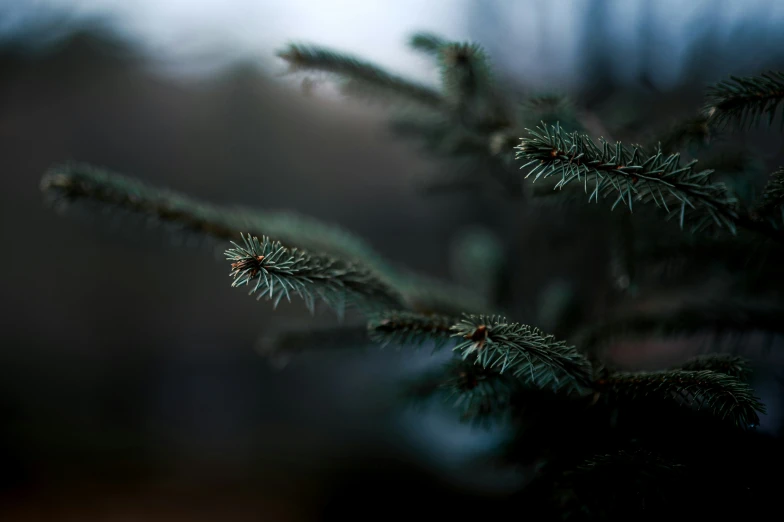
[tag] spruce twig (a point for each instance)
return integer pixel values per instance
(731, 365)
(278, 272)
(427, 43)
(528, 353)
(360, 76)
(745, 100)
(482, 395)
(401, 327)
(724, 396)
(631, 174)
(771, 205)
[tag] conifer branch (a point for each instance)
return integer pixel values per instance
(630, 174)
(465, 71)
(745, 100)
(279, 272)
(427, 43)
(731, 365)
(80, 182)
(401, 327)
(724, 396)
(360, 76)
(771, 204)
(526, 352)
(480, 394)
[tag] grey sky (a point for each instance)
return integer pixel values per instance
(530, 37)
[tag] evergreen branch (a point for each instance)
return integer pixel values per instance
(526, 352)
(731, 365)
(745, 100)
(771, 204)
(360, 75)
(724, 396)
(279, 272)
(427, 43)
(689, 317)
(480, 394)
(465, 71)
(80, 182)
(631, 174)
(401, 327)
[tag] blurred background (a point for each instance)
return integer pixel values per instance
(130, 381)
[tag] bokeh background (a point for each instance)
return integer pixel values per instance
(131, 387)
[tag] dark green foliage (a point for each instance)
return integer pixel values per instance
(360, 77)
(400, 327)
(722, 395)
(771, 205)
(731, 365)
(482, 395)
(605, 443)
(744, 101)
(526, 352)
(74, 183)
(71, 183)
(278, 272)
(628, 174)
(427, 43)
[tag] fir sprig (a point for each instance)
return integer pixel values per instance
(526, 352)
(427, 43)
(402, 327)
(745, 100)
(724, 396)
(360, 76)
(771, 204)
(279, 272)
(75, 182)
(629, 173)
(731, 365)
(482, 395)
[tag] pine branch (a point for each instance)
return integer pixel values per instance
(745, 100)
(427, 43)
(72, 183)
(465, 71)
(771, 204)
(401, 327)
(722, 395)
(688, 317)
(360, 76)
(526, 352)
(279, 272)
(731, 365)
(482, 395)
(631, 174)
